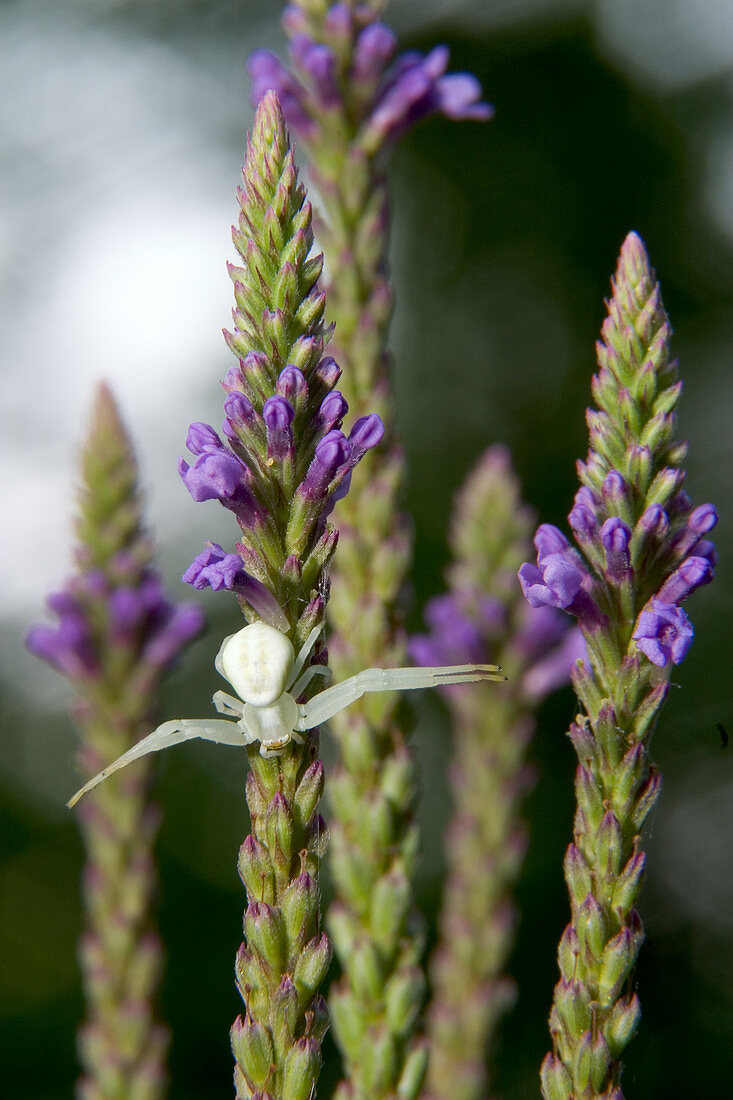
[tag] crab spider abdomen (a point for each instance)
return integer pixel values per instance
(257, 662)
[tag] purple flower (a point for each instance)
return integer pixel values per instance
(616, 537)
(127, 612)
(549, 540)
(663, 633)
(455, 636)
(267, 72)
(332, 453)
(336, 456)
(374, 48)
(703, 519)
(69, 647)
(700, 522)
(233, 379)
(540, 630)
(278, 414)
(706, 549)
(583, 517)
(366, 433)
(182, 624)
(556, 582)
(614, 489)
(332, 411)
(202, 439)
(213, 476)
(654, 522)
(339, 20)
(417, 87)
(553, 670)
(691, 574)
(317, 63)
(214, 568)
(292, 384)
(94, 614)
(559, 579)
(328, 371)
(239, 412)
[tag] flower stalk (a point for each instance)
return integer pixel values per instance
(349, 99)
(117, 637)
(641, 552)
(280, 469)
(483, 616)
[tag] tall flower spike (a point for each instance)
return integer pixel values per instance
(641, 552)
(349, 99)
(483, 614)
(117, 636)
(280, 465)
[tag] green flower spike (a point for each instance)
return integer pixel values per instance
(641, 553)
(484, 614)
(117, 637)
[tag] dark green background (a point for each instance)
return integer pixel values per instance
(505, 238)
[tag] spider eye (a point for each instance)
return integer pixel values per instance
(257, 662)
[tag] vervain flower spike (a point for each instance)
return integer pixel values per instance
(640, 551)
(117, 637)
(283, 467)
(350, 99)
(482, 616)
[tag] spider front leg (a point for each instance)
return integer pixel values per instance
(302, 657)
(227, 704)
(334, 699)
(313, 670)
(170, 733)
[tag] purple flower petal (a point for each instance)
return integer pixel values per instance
(183, 624)
(291, 383)
(703, 519)
(239, 409)
(214, 568)
(553, 671)
(458, 97)
(549, 540)
(416, 87)
(583, 517)
(332, 452)
(555, 584)
(366, 433)
(616, 537)
(267, 72)
(374, 48)
(317, 63)
(202, 439)
(332, 411)
(460, 638)
(278, 414)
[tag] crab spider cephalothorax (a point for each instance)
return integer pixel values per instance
(260, 664)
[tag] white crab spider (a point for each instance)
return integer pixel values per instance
(260, 663)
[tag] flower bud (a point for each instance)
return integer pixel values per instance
(302, 1065)
(252, 1049)
(312, 966)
